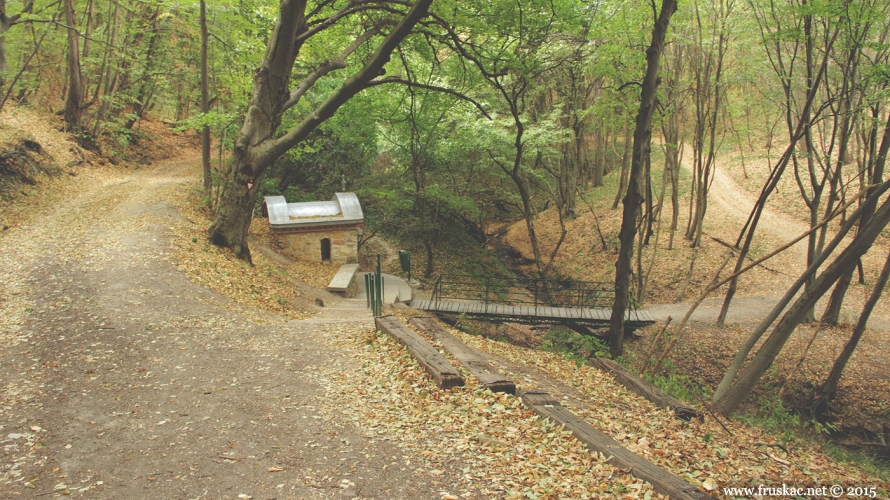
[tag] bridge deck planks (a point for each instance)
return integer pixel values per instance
(639, 318)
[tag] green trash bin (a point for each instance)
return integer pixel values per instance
(405, 261)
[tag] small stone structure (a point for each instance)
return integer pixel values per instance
(317, 231)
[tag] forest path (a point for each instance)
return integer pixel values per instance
(729, 205)
(123, 379)
(734, 201)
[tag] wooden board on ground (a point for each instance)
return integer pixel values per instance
(488, 377)
(645, 388)
(436, 365)
(620, 457)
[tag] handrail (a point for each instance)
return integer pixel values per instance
(518, 291)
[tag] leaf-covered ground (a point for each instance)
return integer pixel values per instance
(137, 363)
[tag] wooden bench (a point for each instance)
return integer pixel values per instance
(344, 282)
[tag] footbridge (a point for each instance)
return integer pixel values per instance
(520, 300)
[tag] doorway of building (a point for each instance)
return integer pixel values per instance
(325, 250)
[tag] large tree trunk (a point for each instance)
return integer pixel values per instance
(634, 197)
(257, 146)
(75, 86)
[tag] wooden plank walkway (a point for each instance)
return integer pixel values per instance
(488, 377)
(636, 319)
(620, 457)
(439, 368)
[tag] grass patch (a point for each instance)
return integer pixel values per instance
(574, 346)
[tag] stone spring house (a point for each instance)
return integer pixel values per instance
(317, 231)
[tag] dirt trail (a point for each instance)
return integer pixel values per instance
(122, 379)
(735, 201)
(729, 207)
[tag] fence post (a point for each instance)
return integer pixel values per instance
(378, 292)
(485, 298)
(368, 289)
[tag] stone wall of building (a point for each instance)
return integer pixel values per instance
(307, 245)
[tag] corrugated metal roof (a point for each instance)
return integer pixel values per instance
(349, 205)
(344, 208)
(313, 209)
(277, 208)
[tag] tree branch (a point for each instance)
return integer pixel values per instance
(396, 79)
(25, 10)
(350, 87)
(327, 67)
(319, 26)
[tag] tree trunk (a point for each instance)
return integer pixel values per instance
(75, 87)
(633, 200)
(625, 166)
(146, 83)
(87, 37)
(829, 389)
(205, 104)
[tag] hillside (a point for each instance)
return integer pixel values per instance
(677, 276)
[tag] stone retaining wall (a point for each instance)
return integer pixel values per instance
(307, 244)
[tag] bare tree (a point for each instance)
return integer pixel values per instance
(707, 98)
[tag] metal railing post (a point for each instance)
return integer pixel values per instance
(368, 289)
(485, 297)
(378, 290)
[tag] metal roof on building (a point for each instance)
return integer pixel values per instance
(344, 208)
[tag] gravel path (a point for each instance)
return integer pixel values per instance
(119, 378)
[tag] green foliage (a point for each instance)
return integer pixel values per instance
(872, 466)
(341, 149)
(677, 385)
(574, 346)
